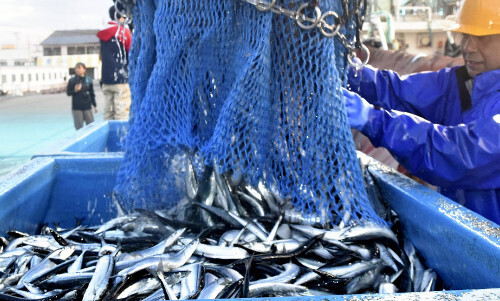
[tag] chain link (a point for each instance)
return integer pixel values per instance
(319, 21)
(304, 22)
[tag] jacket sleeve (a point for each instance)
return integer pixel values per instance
(421, 93)
(70, 90)
(91, 93)
(128, 39)
(465, 155)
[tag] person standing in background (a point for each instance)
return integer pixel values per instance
(81, 90)
(115, 45)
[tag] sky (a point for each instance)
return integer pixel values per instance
(31, 21)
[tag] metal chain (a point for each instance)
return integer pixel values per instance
(319, 21)
(303, 21)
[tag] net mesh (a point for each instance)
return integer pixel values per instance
(224, 84)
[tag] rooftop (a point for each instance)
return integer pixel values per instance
(71, 37)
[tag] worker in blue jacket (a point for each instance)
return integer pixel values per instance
(443, 126)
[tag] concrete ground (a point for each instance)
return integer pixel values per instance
(29, 124)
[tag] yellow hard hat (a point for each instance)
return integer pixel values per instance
(479, 17)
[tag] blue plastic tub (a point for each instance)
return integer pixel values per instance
(461, 246)
(59, 190)
(97, 137)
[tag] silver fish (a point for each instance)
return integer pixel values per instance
(218, 252)
(255, 204)
(169, 261)
(274, 230)
(35, 296)
(100, 280)
(365, 281)
(278, 289)
(250, 226)
(268, 197)
(387, 288)
(141, 287)
(191, 284)
(155, 250)
(46, 264)
(279, 246)
(114, 223)
(345, 271)
(291, 271)
(428, 281)
(386, 257)
(66, 280)
(77, 264)
(211, 290)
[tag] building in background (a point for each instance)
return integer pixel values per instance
(45, 68)
(65, 48)
(20, 75)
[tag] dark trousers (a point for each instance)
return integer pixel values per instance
(79, 116)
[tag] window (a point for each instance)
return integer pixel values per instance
(51, 51)
(3, 63)
(29, 77)
(22, 78)
(72, 50)
(18, 63)
(4, 78)
(50, 76)
(43, 76)
(36, 77)
(93, 49)
(55, 75)
(13, 78)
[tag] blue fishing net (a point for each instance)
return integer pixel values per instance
(222, 83)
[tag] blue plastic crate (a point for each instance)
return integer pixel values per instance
(97, 137)
(461, 246)
(59, 190)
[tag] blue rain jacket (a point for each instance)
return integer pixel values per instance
(451, 139)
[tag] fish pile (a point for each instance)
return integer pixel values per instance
(224, 240)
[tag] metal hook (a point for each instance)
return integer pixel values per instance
(262, 5)
(334, 28)
(301, 17)
(353, 54)
(125, 15)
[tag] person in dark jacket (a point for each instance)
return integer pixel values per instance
(81, 90)
(444, 126)
(115, 45)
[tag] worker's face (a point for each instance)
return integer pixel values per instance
(80, 70)
(480, 53)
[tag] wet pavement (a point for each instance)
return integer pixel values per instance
(30, 124)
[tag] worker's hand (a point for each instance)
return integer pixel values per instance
(356, 75)
(358, 109)
(78, 87)
(95, 110)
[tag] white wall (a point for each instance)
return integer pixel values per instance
(17, 80)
